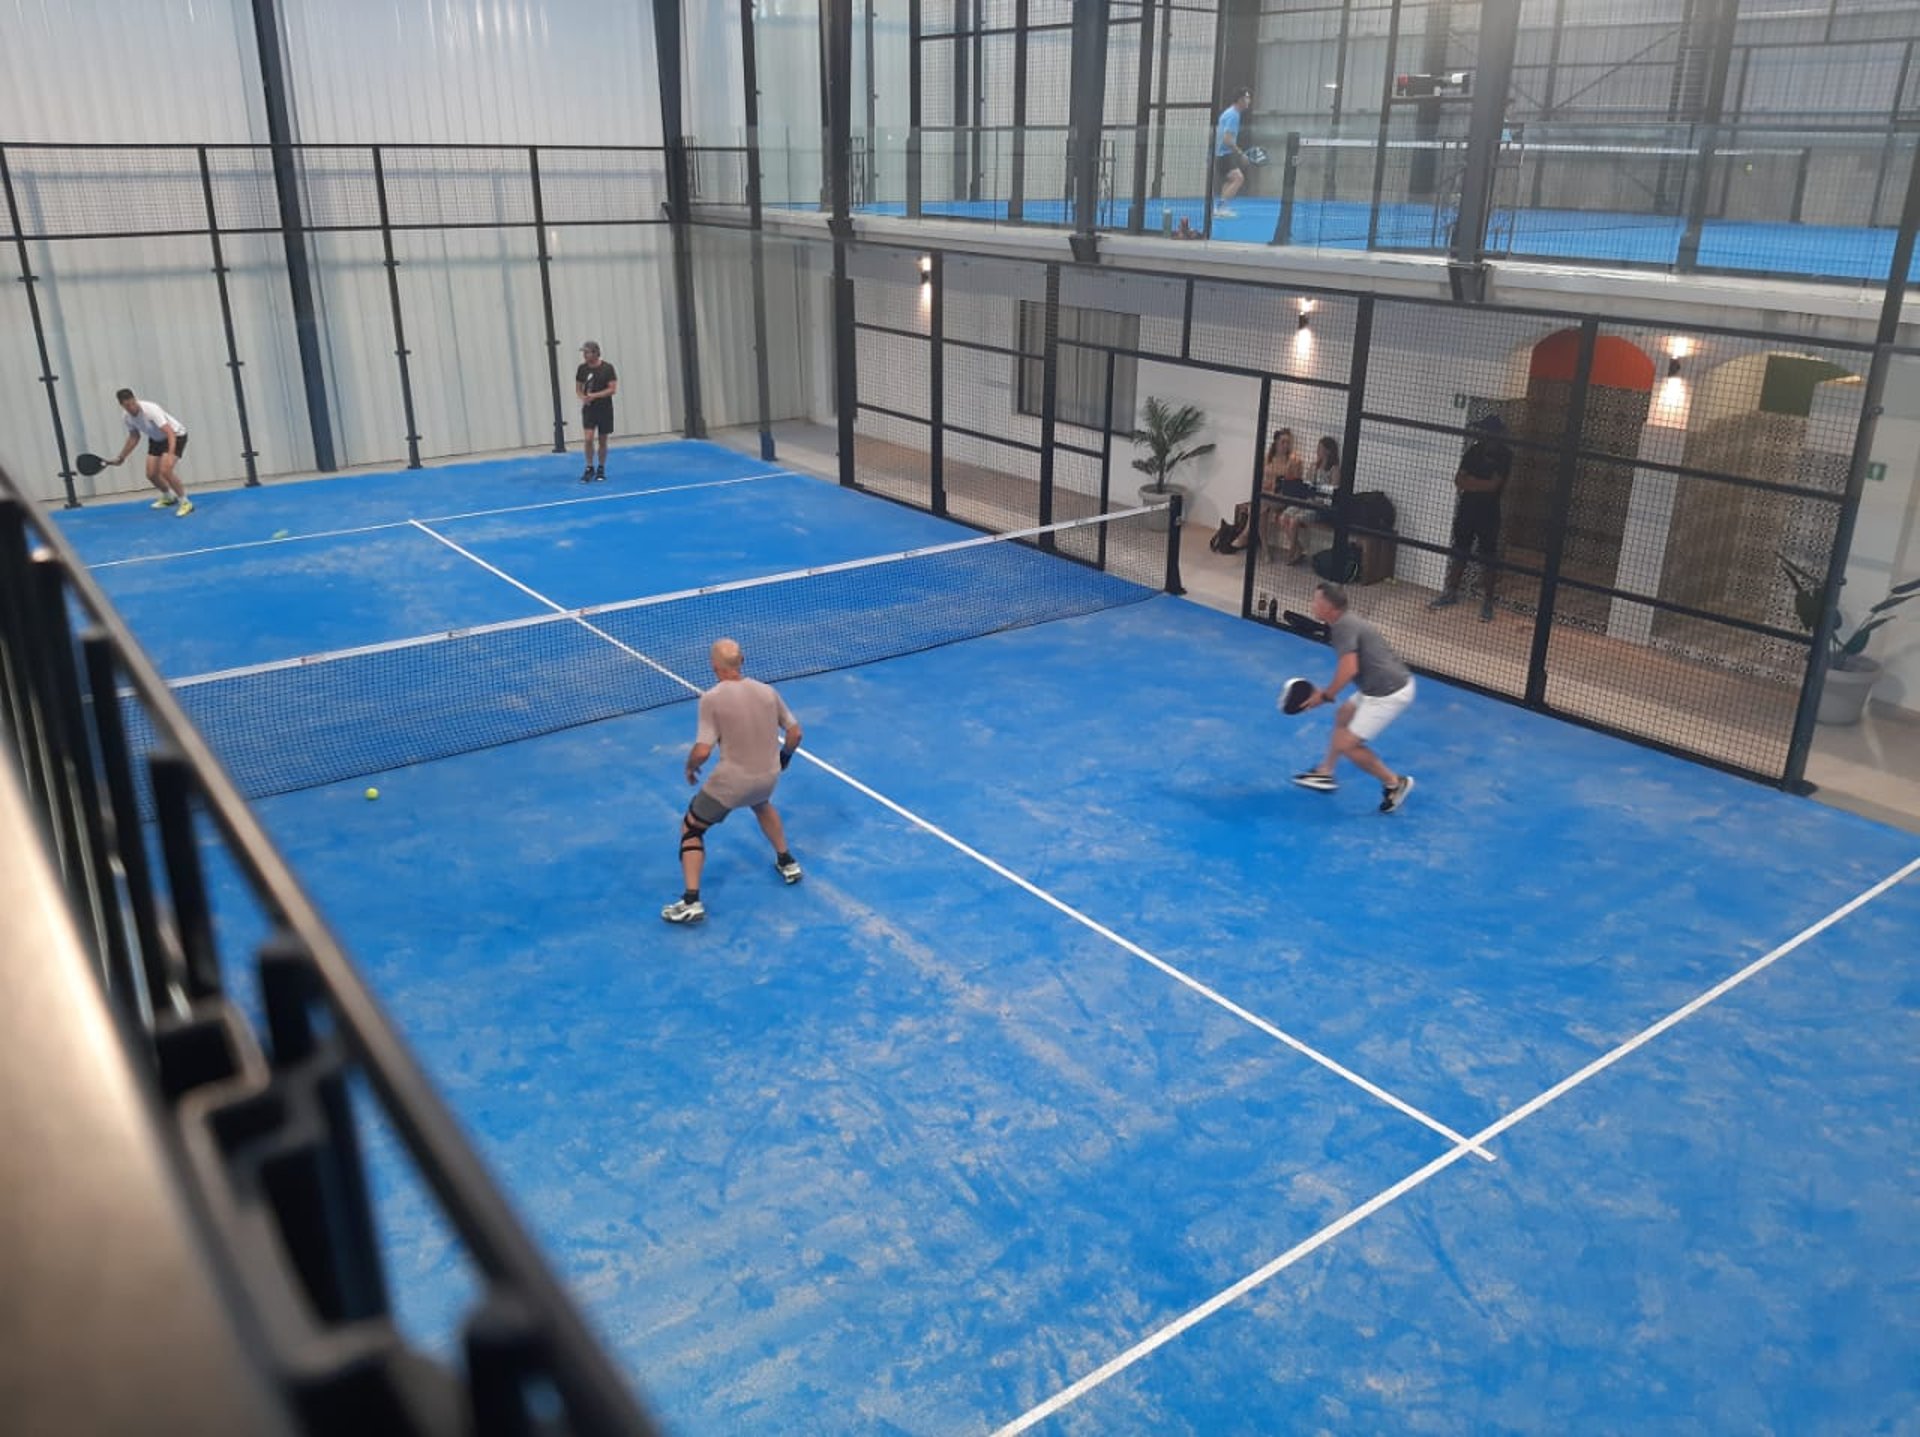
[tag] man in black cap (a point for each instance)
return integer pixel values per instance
(1476, 513)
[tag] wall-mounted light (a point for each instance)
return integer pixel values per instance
(1306, 312)
(926, 269)
(1673, 367)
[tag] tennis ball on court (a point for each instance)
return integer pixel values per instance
(373, 793)
(279, 533)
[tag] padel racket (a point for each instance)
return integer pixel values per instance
(1305, 625)
(1256, 155)
(1295, 695)
(89, 464)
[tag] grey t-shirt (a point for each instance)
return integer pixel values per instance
(743, 716)
(1381, 671)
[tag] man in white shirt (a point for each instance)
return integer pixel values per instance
(166, 441)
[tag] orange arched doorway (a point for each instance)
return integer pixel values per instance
(1619, 398)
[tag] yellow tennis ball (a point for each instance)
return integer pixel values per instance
(373, 793)
(279, 533)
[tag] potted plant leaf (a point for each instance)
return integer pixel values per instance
(1851, 675)
(1166, 433)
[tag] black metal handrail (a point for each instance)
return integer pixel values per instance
(264, 1121)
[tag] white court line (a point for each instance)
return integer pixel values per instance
(542, 598)
(1305, 1049)
(450, 518)
(1412, 1180)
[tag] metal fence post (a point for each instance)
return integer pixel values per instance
(47, 376)
(399, 323)
(1558, 509)
(226, 320)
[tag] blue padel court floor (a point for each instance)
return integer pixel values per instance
(1096, 1079)
(1831, 252)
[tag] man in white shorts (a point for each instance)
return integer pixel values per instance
(166, 445)
(1385, 689)
(740, 715)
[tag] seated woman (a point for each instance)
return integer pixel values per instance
(1324, 477)
(1282, 466)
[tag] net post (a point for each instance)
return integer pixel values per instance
(1049, 396)
(29, 279)
(1106, 456)
(1289, 182)
(1253, 499)
(1173, 584)
(226, 320)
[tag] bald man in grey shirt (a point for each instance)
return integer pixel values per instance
(739, 715)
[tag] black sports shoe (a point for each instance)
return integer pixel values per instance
(1393, 796)
(600, 475)
(586, 475)
(1316, 780)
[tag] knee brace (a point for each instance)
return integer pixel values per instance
(693, 836)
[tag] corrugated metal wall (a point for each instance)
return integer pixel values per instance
(144, 312)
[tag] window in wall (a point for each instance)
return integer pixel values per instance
(1082, 372)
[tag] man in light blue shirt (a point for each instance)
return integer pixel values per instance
(1229, 160)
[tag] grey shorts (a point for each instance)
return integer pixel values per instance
(708, 810)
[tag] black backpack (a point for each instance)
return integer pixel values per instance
(1338, 563)
(1372, 511)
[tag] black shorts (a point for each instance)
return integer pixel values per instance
(1224, 165)
(598, 416)
(1474, 527)
(157, 447)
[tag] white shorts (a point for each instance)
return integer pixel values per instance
(1373, 712)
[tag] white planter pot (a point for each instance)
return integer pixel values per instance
(1844, 698)
(1151, 495)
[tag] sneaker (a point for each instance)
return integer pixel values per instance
(684, 910)
(1445, 601)
(1317, 781)
(788, 868)
(600, 476)
(166, 501)
(586, 475)
(1221, 212)
(1486, 611)
(185, 508)
(1392, 797)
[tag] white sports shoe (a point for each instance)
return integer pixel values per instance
(684, 910)
(790, 870)
(185, 508)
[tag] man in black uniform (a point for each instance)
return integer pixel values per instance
(1476, 514)
(596, 384)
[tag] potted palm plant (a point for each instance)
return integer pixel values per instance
(1851, 675)
(1166, 434)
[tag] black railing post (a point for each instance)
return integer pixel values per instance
(399, 322)
(1086, 123)
(1356, 402)
(1386, 126)
(1559, 506)
(916, 105)
(47, 376)
(937, 382)
(286, 188)
(838, 16)
(666, 49)
(1049, 396)
(1492, 83)
(1901, 267)
(1142, 122)
(226, 321)
(1106, 458)
(546, 299)
(20, 636)
(1712, 112)
(1017, 181)
(1800, 745)
(756, 244)
(1253, 499)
